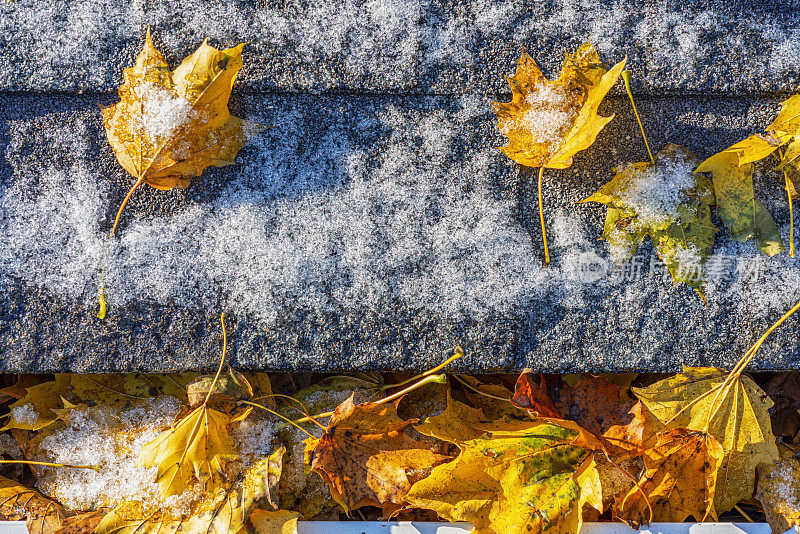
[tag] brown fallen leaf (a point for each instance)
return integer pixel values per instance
(680, 480)
(631, 437)
(42, 515)
(170, 126)
(784, 390)
(595, 404)
(367, 457)
(529, 396)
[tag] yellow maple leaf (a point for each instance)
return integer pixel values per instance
(679, 482)
(278, 522)
(548, 122)
(169, 126)
(729, 407)
(37, 409)
(732, 174)
(198, 446)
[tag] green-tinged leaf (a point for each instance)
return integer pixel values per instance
(520, 477)
(669, 204)
(743, 214)
(736, 415)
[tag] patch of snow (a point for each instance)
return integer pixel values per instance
(24, 414)
(110, 438)
(550, 115)
(391, 43)
(657, 192)
(162, 111)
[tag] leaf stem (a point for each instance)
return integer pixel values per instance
(791, 211)
(221, 361)
(427, 380)
(479, 392)
(51, 464)
(736, 372)
(293, 423)
(626, 76)
(541, 219)
(459, 352)
(139, 182)
(736, 507)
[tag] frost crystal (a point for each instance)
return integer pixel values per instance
(110, 438)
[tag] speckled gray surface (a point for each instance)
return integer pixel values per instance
(430, 134)
(419, 46)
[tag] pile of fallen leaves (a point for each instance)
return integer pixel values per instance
(238, 452)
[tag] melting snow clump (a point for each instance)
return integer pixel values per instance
(657, 192)
(162, 112)
(550, 115)
(24, 414)
(110, 438)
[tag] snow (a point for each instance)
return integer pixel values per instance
(550, 115)
(397, 43)
(656, 193)
(163, 112)
(111, 438)
(345, 206)
(24, 414)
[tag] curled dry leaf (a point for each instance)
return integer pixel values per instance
(367, 457)
(779, 493)
(667, 203)
(198, 446)
(548, 122)
(679, 482)
(736, 415)
(530, 396)
(519, 477)
(42, 515)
